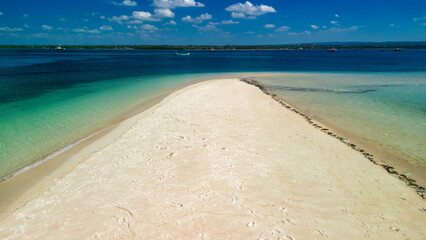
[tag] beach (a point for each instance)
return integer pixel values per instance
(219, 160)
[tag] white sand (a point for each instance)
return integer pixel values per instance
(221, 160)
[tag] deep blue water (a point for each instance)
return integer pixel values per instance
(29, 73)
(50, 99)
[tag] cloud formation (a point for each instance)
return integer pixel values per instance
(353, 28)
(164, 13)
(208, 27)
(248, 10)
(46, 27)
(241, 15)
(119, 19)
(224, 22)
(299, 33)
(149, 27)
(269, 26)
(82, 30)
(176, 3)
(8, 29)
(143, 16)
(106, 28)
(1, 14)
(282, 29)
(314, 26)
(128, 3)
(420, 18)
(199, 19)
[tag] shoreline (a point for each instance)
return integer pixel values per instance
(360, 146)
(244, 168)
(15, 186)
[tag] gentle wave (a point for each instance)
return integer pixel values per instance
(48, 157)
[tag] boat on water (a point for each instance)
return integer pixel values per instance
(59, 48)
(182, 54)
(212, 50)
(397, 49)
(333, 49)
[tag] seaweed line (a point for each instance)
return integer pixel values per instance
(391, 170)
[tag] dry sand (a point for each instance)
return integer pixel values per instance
(222, 160)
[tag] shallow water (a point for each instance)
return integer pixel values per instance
(50, 99)
(386, 108)
(33, 128)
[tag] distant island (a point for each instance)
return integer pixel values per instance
(301, 46)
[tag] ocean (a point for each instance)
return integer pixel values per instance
(51, 99)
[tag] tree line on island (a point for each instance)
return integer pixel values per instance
(303, 46)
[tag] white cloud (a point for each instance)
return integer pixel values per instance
(199, 19)
(119, 19)
(241, 15)
(324, 26)
(282, 29)
(176, 3)
(81, 30)
(46, 27)
(208, 27)
(336, 15)
(333, 22)
(106, 28)
(1, 14)
(25, 15)
(353, 28)
(172, 22)
(148, 27)
(102, 17)
(62, 19)
(26, 26)
(391, 25)
(8, 29)
(240, 10)
(300, 33)
(314, 26)
(269, 26)
(164, 13)
(224, 22)
(143, 16)
(417, 19)
(128, 3)
(134, 22)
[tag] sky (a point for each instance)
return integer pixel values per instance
(218, 22)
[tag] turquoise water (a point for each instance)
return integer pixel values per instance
(50, 99)
(33, 128)
(386, 108)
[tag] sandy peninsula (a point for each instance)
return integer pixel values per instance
(221, 160)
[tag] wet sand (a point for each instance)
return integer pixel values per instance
(221, 160)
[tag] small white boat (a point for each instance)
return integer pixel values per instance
(333, 49)
(59, 48)
(182, 54)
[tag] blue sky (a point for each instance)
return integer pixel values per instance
(210, 21)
